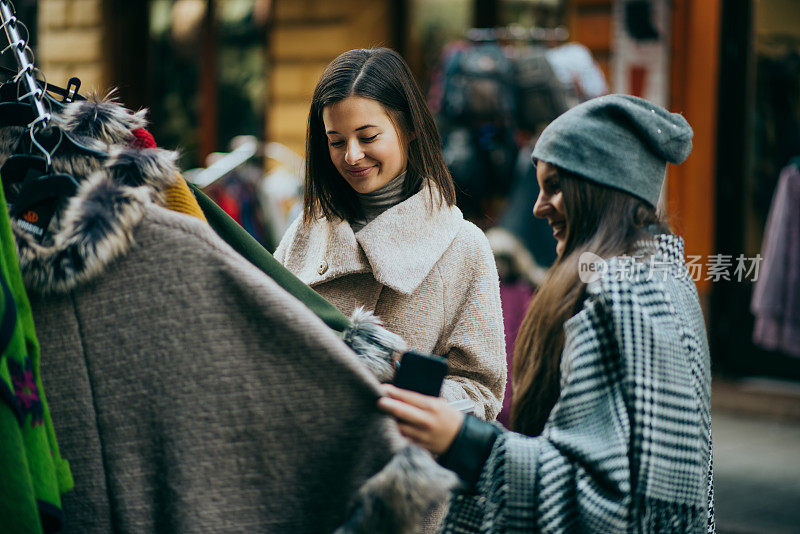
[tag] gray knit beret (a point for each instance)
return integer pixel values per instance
(621, 141)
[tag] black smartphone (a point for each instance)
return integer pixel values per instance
(422, 373)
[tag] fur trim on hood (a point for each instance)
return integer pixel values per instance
(153, 167)
(9, 137)
(95, 228)
(96, 225)
(102, 119)
(98, 124)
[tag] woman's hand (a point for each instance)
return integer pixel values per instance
(425, 420)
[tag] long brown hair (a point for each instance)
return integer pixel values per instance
(599, 219)
(379, 74)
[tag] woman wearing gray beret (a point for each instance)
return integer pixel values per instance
(611, 409)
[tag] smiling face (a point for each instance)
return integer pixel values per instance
(365, 146)
(550, 203)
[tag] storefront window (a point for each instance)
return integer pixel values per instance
(776, 121)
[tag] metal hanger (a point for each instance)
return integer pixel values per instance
(36, 193)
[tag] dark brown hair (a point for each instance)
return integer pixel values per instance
(605, 221)
(379, 74)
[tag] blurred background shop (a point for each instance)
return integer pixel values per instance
(228, 82)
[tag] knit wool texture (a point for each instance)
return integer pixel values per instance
(143, 138)
(620, 141)
(178, 197)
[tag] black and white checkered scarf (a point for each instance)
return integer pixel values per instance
(627, 447)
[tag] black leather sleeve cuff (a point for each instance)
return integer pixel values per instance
(470, 449)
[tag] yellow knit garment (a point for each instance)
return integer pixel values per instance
(178, 197)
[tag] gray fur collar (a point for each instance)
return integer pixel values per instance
(397, 499)
(96, 123)
(96, 225)
(9, 136)
(155, 168)
(375, 346)
(104, 126)
(100, 119)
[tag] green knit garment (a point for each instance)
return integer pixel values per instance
(246, 245)
(32, 473)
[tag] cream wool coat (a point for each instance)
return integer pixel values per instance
(428, 274)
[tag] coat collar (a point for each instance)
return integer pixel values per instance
(400, 247)
(668, 247)
(97, 224)
(116, 181)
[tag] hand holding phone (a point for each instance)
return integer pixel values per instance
(422, 373)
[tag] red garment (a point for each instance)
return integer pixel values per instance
(144, 139)
(515, 298)
(229, 203)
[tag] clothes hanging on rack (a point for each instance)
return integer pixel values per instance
(580, 76)
(541, 96)
(34, 475)
(477, 117)
(238, 196)
(776, 294)
(263, 203)
(187, 384)
(282, 188)
(489, 98)
(177, 196)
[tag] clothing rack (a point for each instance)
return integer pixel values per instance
(20, 49)
(517, 33)
(68, 94)
(246, 149)
(26, 68)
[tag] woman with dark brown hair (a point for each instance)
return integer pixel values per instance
(611, 407)
(380, 230)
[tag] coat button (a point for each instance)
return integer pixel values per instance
(323, 267)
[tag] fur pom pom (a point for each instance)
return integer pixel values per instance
(397, 498)
(374, 344)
